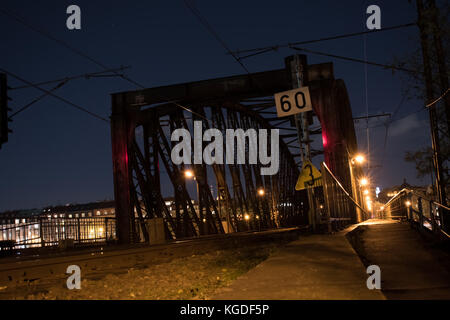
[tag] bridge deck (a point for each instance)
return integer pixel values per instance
(413, 266)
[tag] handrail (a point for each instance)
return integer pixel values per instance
(422, 217)
(418, 195)
(343, 189)
(430, 200)
(396, 196)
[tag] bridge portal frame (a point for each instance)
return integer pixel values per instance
(330, 104)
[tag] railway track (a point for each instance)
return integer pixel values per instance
(43, 271)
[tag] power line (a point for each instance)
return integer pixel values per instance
(355, 60)
(256, 51)
(64, 44)
(205, 23)
(373, 116)
(82, 54)
(59, 85)
(86, 75)
(387, 125)
(401, 118)
(55, 96)
(398, 107)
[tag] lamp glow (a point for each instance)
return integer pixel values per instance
(359, 159)
(364, 182)
(188, 173)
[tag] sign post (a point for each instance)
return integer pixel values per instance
(297, 102)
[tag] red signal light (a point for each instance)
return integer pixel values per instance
(324, 140)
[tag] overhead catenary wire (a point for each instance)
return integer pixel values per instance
(80, 76)
(64, 44)
(385, 66)
(398, 119)
(366, 96)
(48, 92)
(59, 85)
(387, 125)
(84, 55)
(256, 51)
(206, 24)
(211, 30)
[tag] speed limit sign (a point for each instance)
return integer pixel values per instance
(293, 101)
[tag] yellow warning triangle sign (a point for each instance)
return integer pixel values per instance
(309, 177)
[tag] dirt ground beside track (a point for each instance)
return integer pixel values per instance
(193, 277)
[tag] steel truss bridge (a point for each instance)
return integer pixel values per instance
(141, 124)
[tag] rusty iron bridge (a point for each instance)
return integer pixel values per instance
(141, 123)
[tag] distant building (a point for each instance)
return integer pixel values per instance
(388, 193)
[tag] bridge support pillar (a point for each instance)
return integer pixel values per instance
(122, 132)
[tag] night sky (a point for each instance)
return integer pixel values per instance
(59, 155)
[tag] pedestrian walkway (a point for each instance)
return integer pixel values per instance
(412, 265)
(313, 267)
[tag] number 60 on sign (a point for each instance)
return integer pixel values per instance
(293, 101)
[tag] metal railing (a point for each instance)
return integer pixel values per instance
(417, 209)
(340, 205)
(45, 232)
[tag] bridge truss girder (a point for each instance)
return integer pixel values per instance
(233, 102)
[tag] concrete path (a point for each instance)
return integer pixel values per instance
(412, 267)
(313, 267)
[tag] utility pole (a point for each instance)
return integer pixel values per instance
(440, 55)
(297, 65)
(437, 160)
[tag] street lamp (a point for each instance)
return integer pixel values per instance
(261, 192)
(364, 182)
(189, 174)
(358, 159)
